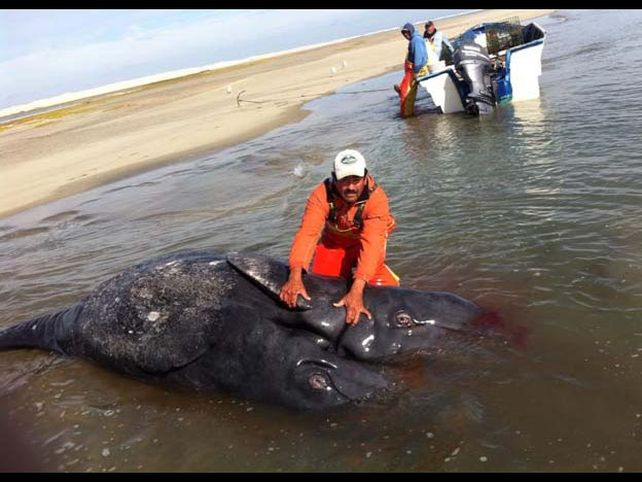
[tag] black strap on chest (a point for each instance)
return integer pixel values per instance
(332, 197)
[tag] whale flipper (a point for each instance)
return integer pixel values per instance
(266, 272)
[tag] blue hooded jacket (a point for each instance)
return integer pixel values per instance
(417, 53)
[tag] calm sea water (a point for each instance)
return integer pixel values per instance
(535, 211)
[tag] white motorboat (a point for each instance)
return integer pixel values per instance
(492, 63)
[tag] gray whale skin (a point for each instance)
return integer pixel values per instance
(212, 321)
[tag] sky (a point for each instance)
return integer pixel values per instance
(45, 53)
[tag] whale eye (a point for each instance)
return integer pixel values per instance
(403, 319)
(318, 382)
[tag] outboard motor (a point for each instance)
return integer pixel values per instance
(474, 65)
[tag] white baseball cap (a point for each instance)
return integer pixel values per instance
(349, 163)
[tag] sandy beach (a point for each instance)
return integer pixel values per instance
(98, 140)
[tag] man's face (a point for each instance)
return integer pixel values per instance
(351, 187)
(406, 34)
(430, 30)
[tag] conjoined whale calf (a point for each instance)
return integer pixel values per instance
(213, 321)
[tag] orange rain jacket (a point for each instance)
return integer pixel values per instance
(378, 223)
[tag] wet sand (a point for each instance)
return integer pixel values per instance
(95, 141)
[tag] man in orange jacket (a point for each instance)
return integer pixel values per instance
(350, 212)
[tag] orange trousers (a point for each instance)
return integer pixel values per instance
(408, 89)
(339, 261)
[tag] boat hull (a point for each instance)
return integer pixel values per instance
(515, 74)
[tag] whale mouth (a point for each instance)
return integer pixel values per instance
(438, 324)
(320, 363)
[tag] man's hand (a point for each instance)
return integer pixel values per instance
(292, 288)
(353, 301)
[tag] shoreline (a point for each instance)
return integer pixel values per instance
(98, 140)
(38, 106)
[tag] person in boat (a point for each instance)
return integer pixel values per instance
(415, 66)
(345, 227)
(438, 47)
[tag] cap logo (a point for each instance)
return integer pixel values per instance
(349, 160)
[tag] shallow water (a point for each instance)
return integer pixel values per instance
(535, 211)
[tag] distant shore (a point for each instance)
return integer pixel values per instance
(94, 141)
(16, 112)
